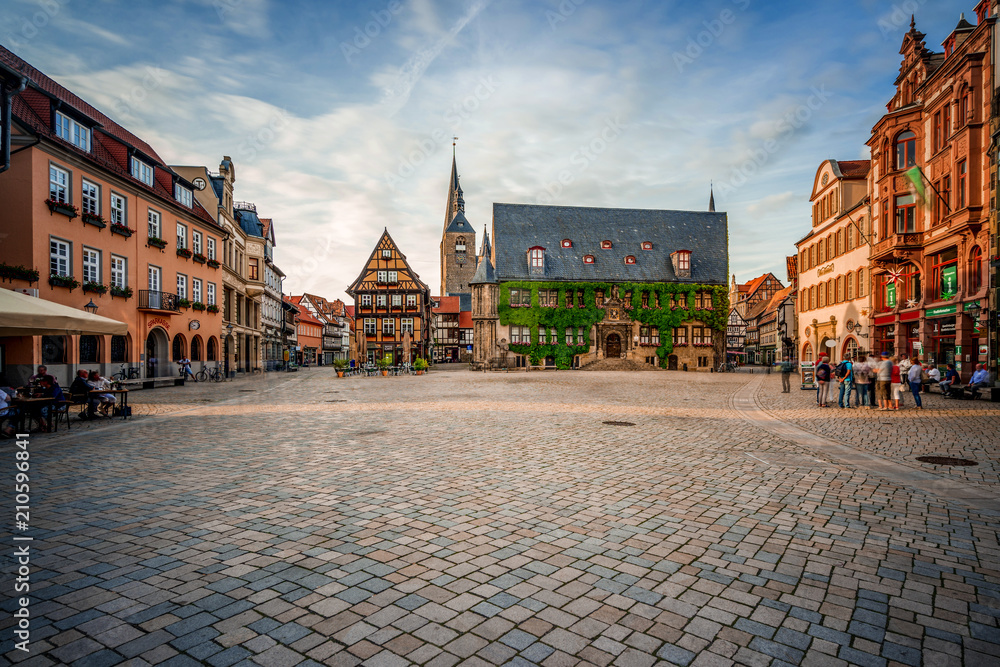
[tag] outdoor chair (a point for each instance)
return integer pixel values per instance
(60, 411)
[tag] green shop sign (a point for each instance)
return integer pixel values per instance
(941, 310)
(890, 295)
(949, 281)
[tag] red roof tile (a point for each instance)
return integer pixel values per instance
(854, 168)
(465, 319)
(447, 304)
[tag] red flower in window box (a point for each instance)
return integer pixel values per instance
(213, 263)
(63, 207)
(184, 252)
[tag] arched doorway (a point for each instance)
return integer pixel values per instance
(672, 362)
(825, 349)
(613, 346)
(157, 347)
(807, 352)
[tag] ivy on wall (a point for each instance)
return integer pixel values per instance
(561, 318)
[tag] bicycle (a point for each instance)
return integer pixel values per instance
(257, 371)
(132, 373)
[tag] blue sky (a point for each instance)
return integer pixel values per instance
(339, 115)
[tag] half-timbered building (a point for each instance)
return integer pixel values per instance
(392, 308)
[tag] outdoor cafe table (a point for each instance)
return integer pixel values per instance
(122, 398)
(32, 406)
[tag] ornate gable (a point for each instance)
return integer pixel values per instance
(387, 258)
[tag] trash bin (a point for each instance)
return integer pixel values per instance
(685, 368)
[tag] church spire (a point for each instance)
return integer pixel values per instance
(456, 201)
(711, 198)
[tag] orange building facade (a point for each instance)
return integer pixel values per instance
(92, 215)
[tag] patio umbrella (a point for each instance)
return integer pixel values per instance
(360, 340)
(23, 315)
(406, 347)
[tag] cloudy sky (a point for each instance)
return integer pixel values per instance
(339, 116)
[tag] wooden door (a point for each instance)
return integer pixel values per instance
(613, 346)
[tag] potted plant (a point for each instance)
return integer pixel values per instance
(213, 263)
(183, 303)
(121, 230)
(123, 292)
(212, 308)
(198, 305)
(420, 365)
(198, 257)
(184, 252)
(63, 207)
(93, 219)
(64, 281)
(383, 365)
(156, 242)
(97, 288)
(8, 272)
(340, 365)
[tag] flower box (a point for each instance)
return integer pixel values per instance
(123, 292)
(213, 263)
(64, 281)
(8, 272)
(198, 305)
(198, 257)
(156, 242)
(93, 219)
(212, 308)
(63, 207)
(96, 288)
(183, 303)
(184, 252)
(121, 230)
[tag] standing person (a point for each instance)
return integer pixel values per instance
(862, 378)
(895, 382)
(185, 365)
(823, 380)
(980, 379)
(882, 381)
(845, 373)
(913, 376)
(786, 375)
(904, 371)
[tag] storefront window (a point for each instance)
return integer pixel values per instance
(943, 335)
(945, 274)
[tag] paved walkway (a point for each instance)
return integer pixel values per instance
(495, 518)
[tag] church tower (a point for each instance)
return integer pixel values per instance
(458, 242)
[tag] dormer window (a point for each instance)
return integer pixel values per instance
(630, 259)
(183, 195)
(142, 171)
(588, 259)
(71, 131)
(566, 243)
(681, 261)
(536, 258)
(646, 245)
(605, 245)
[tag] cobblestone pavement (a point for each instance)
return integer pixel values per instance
(496, 519)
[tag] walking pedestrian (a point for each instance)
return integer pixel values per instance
(896, 382)
(862, 378)
(823, 380)
(845, 374)
(904, 372)
(913, 376)
(883, 379)
(786, 375)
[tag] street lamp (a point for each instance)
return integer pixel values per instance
(91, 307)
(974, 310)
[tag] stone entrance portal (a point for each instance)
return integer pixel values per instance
(613, 346)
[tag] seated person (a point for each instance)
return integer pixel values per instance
(980, 379)
(934, 377)
(107, 400)
(81, 389)
(43, 372)
(950, 379)
(49, 390)
(6, 411)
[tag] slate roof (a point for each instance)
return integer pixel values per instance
(460, 225)
(249, 221)
(518, 227)
(465, 302)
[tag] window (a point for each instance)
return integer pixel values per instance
(210, 293)
(370, 326)
(699, 336)
(644, 299)
(588, 259)
(90, 198)
(58, 184)
(683, 261)
(118, 213)
(380, 300)
(119, 349)
(861, 283)
(850, 286)
(906, 150)
(975, 270)
(945, 274)
(393, 277)
(548, 298)
(963, 170)
(382, 276)
(91, 265)
(253, 269)
(812, 298)
(71, 131)
(936, 143)
(196, 242)
(59, 258)
(906, 214)
(680, 336)
(599, 298)
(605, 245)
(183, 195)
(119, 275)
(460, 244)
(840, 289)
(366, 299)
(153, 223)
(536, 256)
(822, 295)
(411, 300)
(406, 324)
(388, 326)
(946, 123)
(946, 195)
(629, 259)
(211, 248)
(520, 297)
(566, 243)
(646, 245)
(397, 299)
(182, 232)
(644, 336)
(196, 289)
(142, 171)
(520, 335)
(387, 253)
(182, 285)
(542, 340)
(964, 109)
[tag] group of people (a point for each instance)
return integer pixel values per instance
(44, 385)
(881, 384)
(88, 381)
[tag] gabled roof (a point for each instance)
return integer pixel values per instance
(447, 304)
(518, 227)
(460, 225)
(854, 168)
(386, 241)
(350, 311)
(792, 267)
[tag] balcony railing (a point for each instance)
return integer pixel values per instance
(153, 300)
(898, 241)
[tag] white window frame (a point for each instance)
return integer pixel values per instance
(183, 195)
(118, 210)
(210, 246)
(59, 184)
(366, 299)
(72, 131)
(388, 326)
(411, 300)
(119, 271)
(182, 232)
(142, 171)
(196, 242)
(60, 263)
(382, 276)
(393, 277)
(386, 253)
(91, 265)
(537, 258)
(182, 289)
(380, 301)
(196, 289)
(154, 223)
(406, 324)
(371, 326)
(210, 294)
(90, 197)
(397, 299)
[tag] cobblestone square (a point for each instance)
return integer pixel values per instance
(490, 519)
